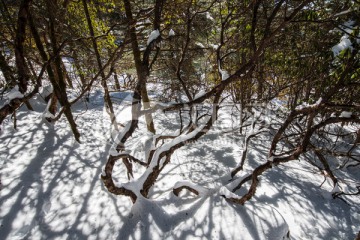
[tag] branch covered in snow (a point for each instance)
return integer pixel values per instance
(153, 36)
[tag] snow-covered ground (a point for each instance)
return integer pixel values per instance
(51, 187)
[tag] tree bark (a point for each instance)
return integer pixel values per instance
(142, 66)
(116, 79)
(23, 77)
(108, 103)
(60, 84)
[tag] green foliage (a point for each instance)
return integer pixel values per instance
(297, 60)
(98, 13)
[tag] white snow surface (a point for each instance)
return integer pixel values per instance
(153, 35)
(199, 94)
(47, 113)
(200, 45)
(46, 91)
(12, 94)
(214, 46)
(306, 105)
(208, 16)
(171, 33)
(346, 114)
(224, 74)
(344, 43)
(51, 187)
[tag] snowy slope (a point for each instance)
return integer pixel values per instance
(51, 188)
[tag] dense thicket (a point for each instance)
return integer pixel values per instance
(248, 53)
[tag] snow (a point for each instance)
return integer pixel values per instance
(224, 74)
(12, 94)
(306, 105)
(144, 144)
(50, 185)
(214, 46)
(113, 151)
(47, 114)
(204, 218)
(343, 12)
(344, 43)
(167, 146)
(171, 33)
(46, 91)
(153, 35)
(336, 189)
(199, 44)
(346, 114)
(199, 94)
(224, 191)
(208, 16)
(276, 104)
(201, 190)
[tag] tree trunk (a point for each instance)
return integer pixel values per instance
(107, 99)
(53, 104)
(79, 71)
(148, 117)
(67, 77)
(60, 85)
(23, 77)
(141, 68)
(116, 79)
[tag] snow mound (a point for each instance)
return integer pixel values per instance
(12, 94)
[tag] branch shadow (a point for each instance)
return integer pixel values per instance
(206, 217)
(55, 190)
